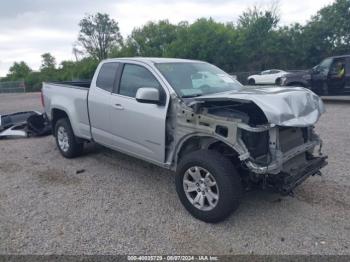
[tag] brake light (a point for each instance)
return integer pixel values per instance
(42, 98)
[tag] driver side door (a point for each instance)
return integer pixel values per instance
(137, 128)
(319, 74)
(334, 81)
(264, 77)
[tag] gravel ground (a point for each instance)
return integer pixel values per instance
(108, 203)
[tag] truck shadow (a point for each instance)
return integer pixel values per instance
(158, 177)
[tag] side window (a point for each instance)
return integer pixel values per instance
(134, 77)
(106, 76)
(338, 67)
(325, 65)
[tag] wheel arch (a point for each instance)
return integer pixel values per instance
(251, 80)
(278, 80)
(56, 114)
(197, 141)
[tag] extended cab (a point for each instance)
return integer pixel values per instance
(193, 118)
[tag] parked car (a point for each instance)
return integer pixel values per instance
(216, 136)
(267, 77)
(331, 76)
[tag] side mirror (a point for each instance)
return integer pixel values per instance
(148, 95)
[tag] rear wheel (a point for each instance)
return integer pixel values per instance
(208, 185)
(66, 140)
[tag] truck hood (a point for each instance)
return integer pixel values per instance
(282, 106)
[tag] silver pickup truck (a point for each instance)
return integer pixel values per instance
(193, 118)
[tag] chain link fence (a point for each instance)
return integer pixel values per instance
(13, 87)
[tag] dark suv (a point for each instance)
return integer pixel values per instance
(331, 76)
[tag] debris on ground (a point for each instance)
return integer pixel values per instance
(24, 124)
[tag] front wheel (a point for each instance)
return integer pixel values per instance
(208, 185)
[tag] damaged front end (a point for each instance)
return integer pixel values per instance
(273, 140)
(292, 155)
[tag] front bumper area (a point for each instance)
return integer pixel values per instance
(286, 182)
(276, 166)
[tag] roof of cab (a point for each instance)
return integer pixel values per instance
(152, 60)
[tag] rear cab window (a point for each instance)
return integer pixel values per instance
(107, 75)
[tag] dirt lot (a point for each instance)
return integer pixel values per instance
(108, 203)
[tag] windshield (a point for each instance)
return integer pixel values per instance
(196, 79)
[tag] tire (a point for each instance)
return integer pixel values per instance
(278, 81)
(222, 172)
(66, 140)
(251, 81)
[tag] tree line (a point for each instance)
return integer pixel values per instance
(255, 42)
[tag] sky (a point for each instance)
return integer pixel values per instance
(29, 28)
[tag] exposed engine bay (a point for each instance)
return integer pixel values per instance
(272, 155)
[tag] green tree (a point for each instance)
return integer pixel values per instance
(256, 30)
(18, 71)
(34, 81)
(98, 35)
(48, 61)
(66, 70)
(152, 39)
(328, 32)
(206, 40)
(256, 42)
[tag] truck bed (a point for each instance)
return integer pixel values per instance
(70, 97)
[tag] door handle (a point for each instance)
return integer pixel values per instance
(118, 106)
